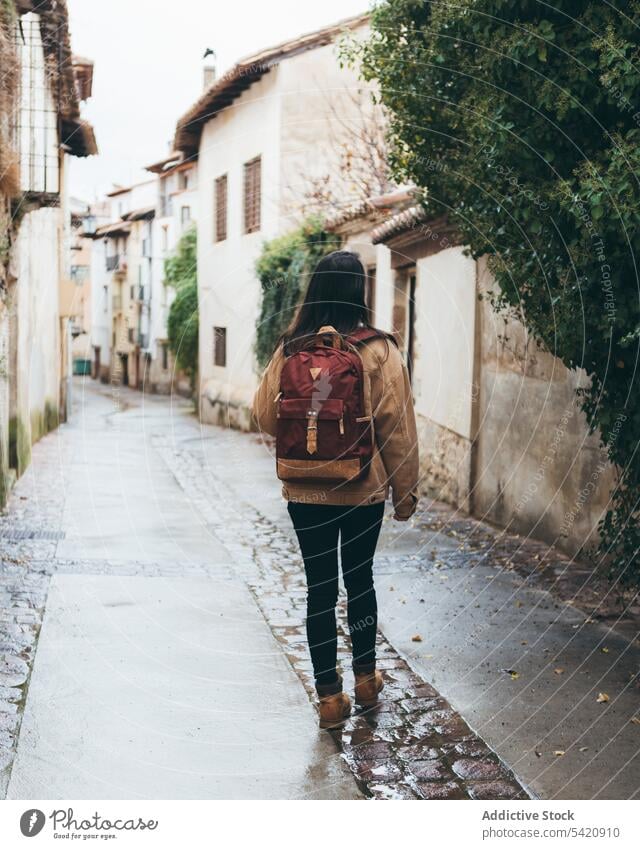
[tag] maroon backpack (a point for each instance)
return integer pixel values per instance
(323, 431)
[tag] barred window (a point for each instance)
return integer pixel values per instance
(220, 198)
(220, 346)
(36, 129)
(252, 195)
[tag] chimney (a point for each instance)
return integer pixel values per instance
(209, 76)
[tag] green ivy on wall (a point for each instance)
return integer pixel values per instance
(183, 321)
(283, 268)
(521, 122)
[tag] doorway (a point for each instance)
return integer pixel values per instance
(404, 313)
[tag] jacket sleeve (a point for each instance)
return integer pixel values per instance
(395, 429)
(264, 402)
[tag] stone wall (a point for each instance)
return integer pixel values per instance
(34, 349)
(539, 471)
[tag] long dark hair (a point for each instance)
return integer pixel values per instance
(335, 295)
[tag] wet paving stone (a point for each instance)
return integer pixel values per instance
(402, 749)
(419, 753)
(372, 751)
(413, 746)
(472, 769)
(472, 749)
(393, 791)
(495, 790)
(429, 770)
(441, 790)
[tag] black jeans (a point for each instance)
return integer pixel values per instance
(318, 527)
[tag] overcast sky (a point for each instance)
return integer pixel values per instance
(148, 68)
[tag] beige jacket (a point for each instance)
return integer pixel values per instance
(388, 399)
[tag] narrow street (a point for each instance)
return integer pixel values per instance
(152, 637)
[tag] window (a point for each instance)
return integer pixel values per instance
(35, 120)
(183, 180)
(220, 346)
(252, 195)
(185, 216)
(220, 201)
(165, 238)
(164, 350)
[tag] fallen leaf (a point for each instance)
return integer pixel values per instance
(559, 670)
(537, 753)
(391, 589)
(519, 603)
(583, 749)
(603, 697)
(635, 720)
(416, 638)
(512, 673)
(604, 650)
(559, 753)
(524, 643)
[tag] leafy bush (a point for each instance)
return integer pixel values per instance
(283, 268)
(521, 121)
(183, 322)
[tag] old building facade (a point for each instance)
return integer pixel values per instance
(143, 226)
(501, 433)
(43, 86)
(264, 134)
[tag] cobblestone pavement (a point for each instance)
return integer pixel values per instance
(414, 745)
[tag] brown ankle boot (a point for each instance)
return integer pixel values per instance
(368, 685)
(334, 710)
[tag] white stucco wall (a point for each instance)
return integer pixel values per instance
(291, 118)
(229, 291)
(323, 108)
(444, 340)
(35, 302)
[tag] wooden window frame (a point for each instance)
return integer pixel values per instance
(220, 207)
(252, 195)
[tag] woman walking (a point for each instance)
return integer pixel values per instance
(336, 395)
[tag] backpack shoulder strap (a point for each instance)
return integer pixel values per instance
(364, 334)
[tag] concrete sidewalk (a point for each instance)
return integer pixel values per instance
(167, 688)
(156, 675)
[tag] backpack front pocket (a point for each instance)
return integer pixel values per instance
(311, 428)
